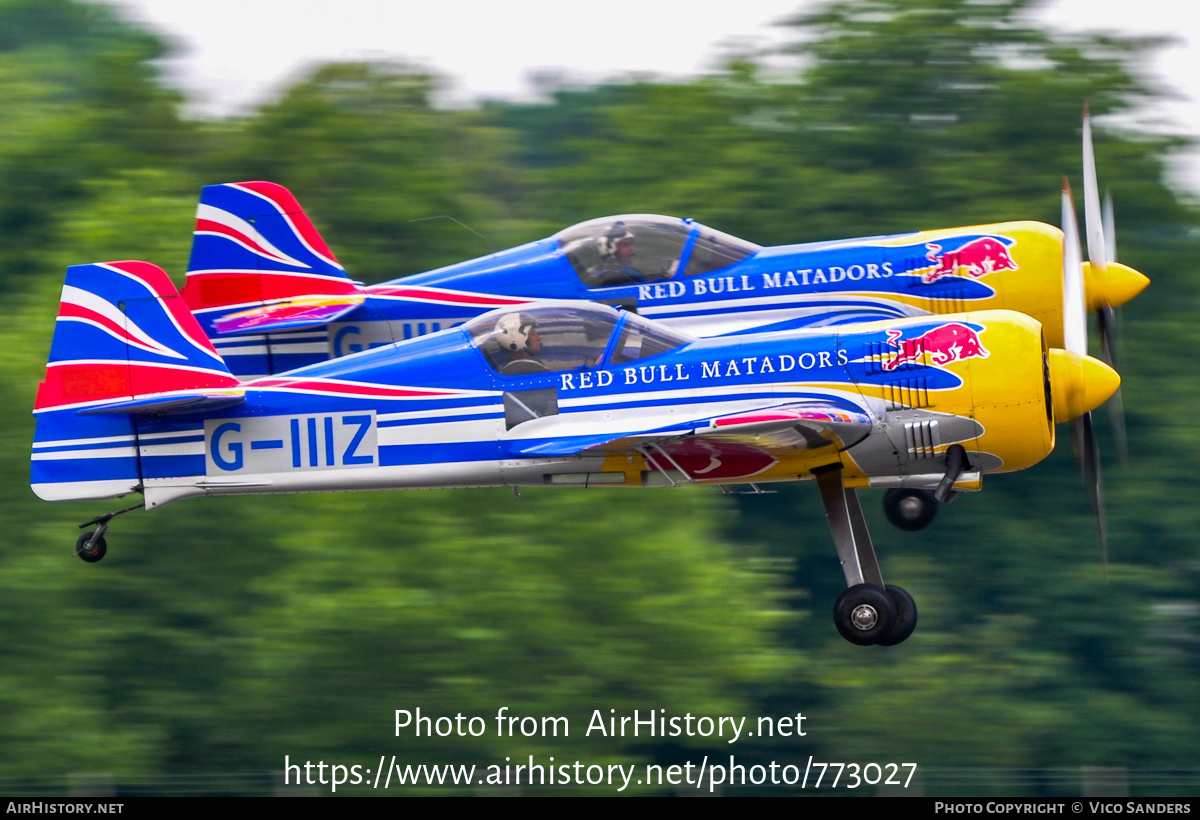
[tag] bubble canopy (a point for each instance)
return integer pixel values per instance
(550, 337)
(638, 248)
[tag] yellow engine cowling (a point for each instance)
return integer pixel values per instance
(1001, 410)
(1009, 390)
(1023, 387)
(1034, 285)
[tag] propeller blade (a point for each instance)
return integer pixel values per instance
(1083, 434)
(1109, 334)
(1087, 455)
(1106, 319)
(1116, 417)
(1092, 220)
(1074, 301)
(1116, 408)
(1108, 315)
(1106, 281)
(1110, 228)
(1074, 289)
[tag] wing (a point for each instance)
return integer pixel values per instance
(786, 427)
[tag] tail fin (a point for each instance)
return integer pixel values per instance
(124, 343)
(258, 265)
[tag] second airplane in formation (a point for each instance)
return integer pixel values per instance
(272, 296)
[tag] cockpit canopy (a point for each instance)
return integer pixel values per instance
(638, 248)
(549, 337)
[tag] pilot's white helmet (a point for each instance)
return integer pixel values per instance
(607, 242)
(512, 331)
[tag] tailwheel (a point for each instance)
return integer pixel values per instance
(910, 509)
(864, 614)
(906, 617)
(91, 547)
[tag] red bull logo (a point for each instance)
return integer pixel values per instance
(942, 345)
(977, 258)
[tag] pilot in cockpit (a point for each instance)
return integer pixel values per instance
(517, 335)
(616, 257)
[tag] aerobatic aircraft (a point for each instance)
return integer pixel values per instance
(137, 399)
(272, 296)
(562, 393)
(552, 393)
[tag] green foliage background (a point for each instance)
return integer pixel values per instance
(221, 634)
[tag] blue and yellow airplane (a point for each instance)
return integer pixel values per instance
(561, 393)
(272, 296)
(913, 376)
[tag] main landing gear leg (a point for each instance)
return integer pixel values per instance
(91, 546)
(867, 612)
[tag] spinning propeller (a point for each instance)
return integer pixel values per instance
(1108, 283)
(1081, 383)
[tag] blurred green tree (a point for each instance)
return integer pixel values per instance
(383, 173)
(81, 100)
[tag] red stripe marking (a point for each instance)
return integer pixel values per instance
(345, 388)
(219, 288)
(781, 415)
(69, 310)
(208, 226)
(209, 289)
(187, 323)
(452, 297)
(756, 419)
(156, 279)
(152, 276)
(283, 198)
(77, 383)
(284, 286)
(161, 379)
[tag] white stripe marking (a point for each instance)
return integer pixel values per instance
(230, 220)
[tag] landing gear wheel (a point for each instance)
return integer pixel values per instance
(906, 617)
(97, 550)
(910, 509)
(864, 614)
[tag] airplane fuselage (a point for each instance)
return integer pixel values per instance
(770, 289)
(432, 412)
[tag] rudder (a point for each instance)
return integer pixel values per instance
(259, 266)
(124, 343)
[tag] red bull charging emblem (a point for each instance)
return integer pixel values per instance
(977, 258)
(942, 345)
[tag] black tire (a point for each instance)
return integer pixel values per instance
(864, 614)
(98, 550)
(906, 617)
(910, 509)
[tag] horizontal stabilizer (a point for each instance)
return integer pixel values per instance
(170, 405)
(299, 313)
